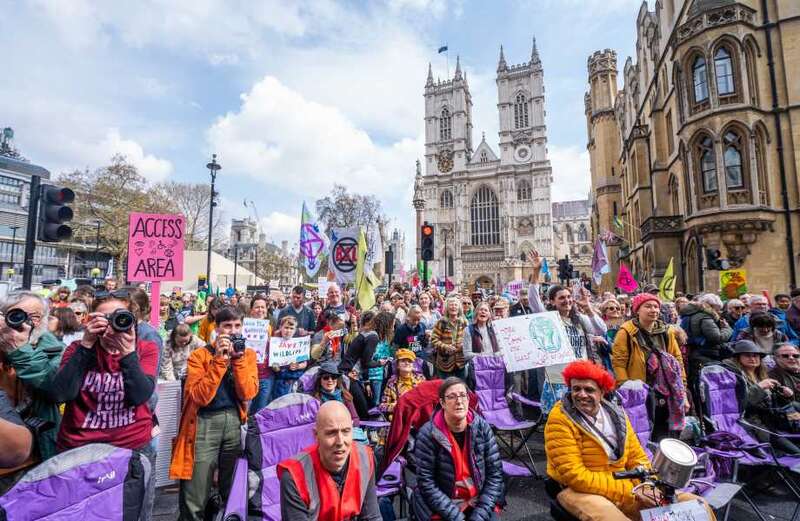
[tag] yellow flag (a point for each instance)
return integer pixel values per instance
(666, 289)
(365, 280)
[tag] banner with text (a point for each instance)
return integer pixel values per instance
(155, 247)
(256, 332)
(285, 351)
(530, 341)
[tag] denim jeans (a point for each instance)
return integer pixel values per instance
(264, 395)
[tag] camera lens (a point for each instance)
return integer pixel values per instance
(15, 318)
(238, 342)
(122, 320)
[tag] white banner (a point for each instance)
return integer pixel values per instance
(256, 332)
(344, 254)
(284, 351)
(530, 341)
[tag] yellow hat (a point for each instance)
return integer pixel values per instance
(405, 354)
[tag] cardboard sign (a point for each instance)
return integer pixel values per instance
(515, 286)
(155, 247)
(683, 511)
(256, 333)
(530, 341)
(285, 351)
(732, 283)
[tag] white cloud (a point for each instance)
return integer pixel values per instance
(571, 175)
(304, 147)
(150, 166)
(279, 227)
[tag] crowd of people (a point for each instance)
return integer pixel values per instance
(83, 365)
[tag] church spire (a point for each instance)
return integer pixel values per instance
(501, 65)
(430, 76)
(535, 53)
(458, 68)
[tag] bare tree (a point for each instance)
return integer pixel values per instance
(192, 201)
(342, 209)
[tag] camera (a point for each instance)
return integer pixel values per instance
(238, 343)
(15, 318)
(121, 320)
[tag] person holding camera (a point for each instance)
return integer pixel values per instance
(220, 380)
(29, 357)
(106, 379)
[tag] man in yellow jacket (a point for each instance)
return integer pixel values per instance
(587, 439)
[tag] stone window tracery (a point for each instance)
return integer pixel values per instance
(524, 191)
(700, 79)
(446, 199)
(520, 111)
(732, 157)
(485, 218)
(445, 125)
(723, 70)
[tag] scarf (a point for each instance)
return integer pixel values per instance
(336, 395)
(663, 371)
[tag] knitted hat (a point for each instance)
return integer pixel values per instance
(641, 298)
(405, 354)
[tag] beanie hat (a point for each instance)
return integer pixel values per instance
(641, 298)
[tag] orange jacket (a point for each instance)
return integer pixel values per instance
(204, 373)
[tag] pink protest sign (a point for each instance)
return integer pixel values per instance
(155, 247)
(625, 280)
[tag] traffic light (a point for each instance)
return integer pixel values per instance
(714, 260)
(564, 269)
(427, 242)
(53, 213)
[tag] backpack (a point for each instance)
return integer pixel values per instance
(694, 340)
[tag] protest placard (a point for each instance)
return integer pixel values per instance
(515, 286)
(155, 252)
(683, 511)
(284, 351)
(255, 332)
(322, 286)
(530, 341)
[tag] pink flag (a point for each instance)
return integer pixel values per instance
(625, 280)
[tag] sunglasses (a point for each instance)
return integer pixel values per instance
(329, 377)
(796, 357)
(613, 308)
(117, 293)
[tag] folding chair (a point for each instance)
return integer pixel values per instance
(280, 430)
(493, 390)
(723, 395)
(634, 398)
(93, 482)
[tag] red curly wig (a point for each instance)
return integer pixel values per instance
(586, 370)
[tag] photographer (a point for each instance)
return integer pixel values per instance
(221, 378)
(106, 379)
(29, 357)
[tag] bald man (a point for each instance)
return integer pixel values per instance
(332, 480)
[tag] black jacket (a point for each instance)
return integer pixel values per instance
(436, 474)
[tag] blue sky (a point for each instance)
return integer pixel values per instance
(293, 96)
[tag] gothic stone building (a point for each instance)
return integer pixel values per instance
(571, 235)
(700, 148)
(487, 208)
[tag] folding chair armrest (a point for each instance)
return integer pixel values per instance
(525, 401)
(745, 423)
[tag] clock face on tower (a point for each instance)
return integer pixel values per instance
(522, 153)
(445, 161)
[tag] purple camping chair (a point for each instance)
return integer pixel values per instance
(723, 395)
(280, 430)
(91, 483)
(633, 397)
(493, 398)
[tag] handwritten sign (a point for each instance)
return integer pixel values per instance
(683, 511)
(322, 286)
(256, 332)
(530, 341)
(284, 351)
(155, 247)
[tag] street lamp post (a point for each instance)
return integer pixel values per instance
(97, 246)
(235, 263)
(213, 168)
(13, 250)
